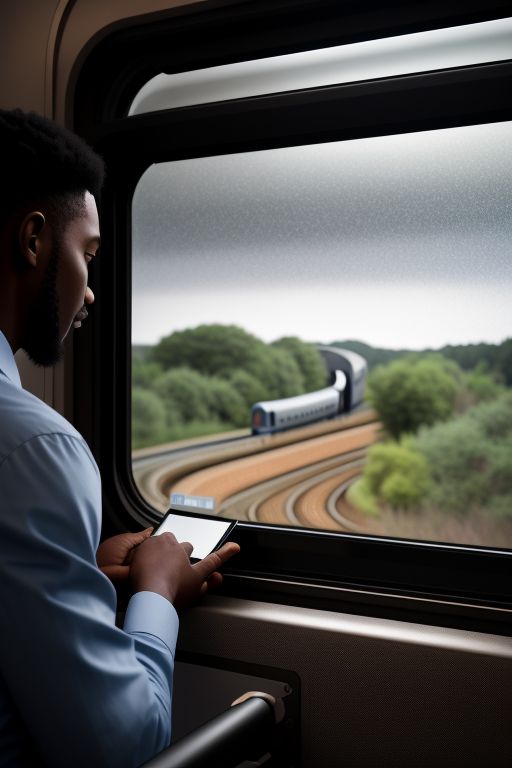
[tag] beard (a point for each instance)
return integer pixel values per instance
(43, 344)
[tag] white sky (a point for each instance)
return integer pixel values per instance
(411, 316)
(398, 241)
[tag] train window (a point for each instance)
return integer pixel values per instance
(391, 247)
(419, 52)
(337, 246)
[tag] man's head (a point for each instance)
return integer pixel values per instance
(48, 231)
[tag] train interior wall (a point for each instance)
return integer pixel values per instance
(366, 691)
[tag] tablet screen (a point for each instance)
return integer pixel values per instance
(203, 533)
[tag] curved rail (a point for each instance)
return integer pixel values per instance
(249, 504)
(308, 505)
(233, 476)
(156, 470)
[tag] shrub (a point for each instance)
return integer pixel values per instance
(397, 474)
(470, 458)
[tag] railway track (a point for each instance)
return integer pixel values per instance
(162, 469)
(266, 503)
(231, 477)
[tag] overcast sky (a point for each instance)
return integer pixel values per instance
(398, 241)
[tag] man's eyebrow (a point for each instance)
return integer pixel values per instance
(94, 241)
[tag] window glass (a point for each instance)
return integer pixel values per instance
(419, 52)
(395, 248)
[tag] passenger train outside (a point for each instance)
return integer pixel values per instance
(276, 415)
(347, 371)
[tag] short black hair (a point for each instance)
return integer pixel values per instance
(40, 159)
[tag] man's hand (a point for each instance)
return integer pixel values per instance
(114, 555)
(161, 564)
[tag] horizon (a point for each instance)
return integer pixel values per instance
(338, 342)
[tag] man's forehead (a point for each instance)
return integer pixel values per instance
(89, 223)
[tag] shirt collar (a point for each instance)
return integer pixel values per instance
(7, 361)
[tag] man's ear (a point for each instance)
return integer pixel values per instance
(30, 237)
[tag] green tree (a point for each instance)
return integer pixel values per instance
(144, 374)
(308, 359)
(482, 384)
(282, 374)
(504, 361)
(214, 350)
(226, 403)
(148, 418)
(250, 388)
(185, 394)
(410, 392)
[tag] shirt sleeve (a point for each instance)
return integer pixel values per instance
(89, 694)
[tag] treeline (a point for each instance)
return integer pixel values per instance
(205, 380)
(451, 440)
(495, 358)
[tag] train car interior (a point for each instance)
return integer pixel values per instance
(273, 165)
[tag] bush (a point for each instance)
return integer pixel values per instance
(495, 418)
(457, 456)
(400, 491)
(470, 458)
(482, 385)
(397, 474)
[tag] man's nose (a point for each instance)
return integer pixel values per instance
(89, 296)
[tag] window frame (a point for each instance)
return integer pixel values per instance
(469, 587)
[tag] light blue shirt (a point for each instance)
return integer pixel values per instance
(74, 689)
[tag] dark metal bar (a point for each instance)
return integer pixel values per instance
(243, 732)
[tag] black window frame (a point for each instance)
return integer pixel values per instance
(454, 585)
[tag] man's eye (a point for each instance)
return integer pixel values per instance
(89, 256)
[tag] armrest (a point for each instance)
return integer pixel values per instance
(243, 732)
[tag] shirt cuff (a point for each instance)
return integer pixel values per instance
(152, 614)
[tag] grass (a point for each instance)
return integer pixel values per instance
(478, 527)
(184, 432)
(361, 497)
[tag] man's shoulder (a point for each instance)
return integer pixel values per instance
(24, 417)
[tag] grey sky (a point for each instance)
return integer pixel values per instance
(398, 241)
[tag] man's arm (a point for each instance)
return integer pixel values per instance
(88, 693)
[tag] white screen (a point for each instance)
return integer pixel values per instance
(202, 533)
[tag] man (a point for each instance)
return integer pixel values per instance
(74, 689)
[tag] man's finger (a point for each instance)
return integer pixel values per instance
(212, 582)
(187, 546)
(116, 573)
(137, 538)
(216, 559)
